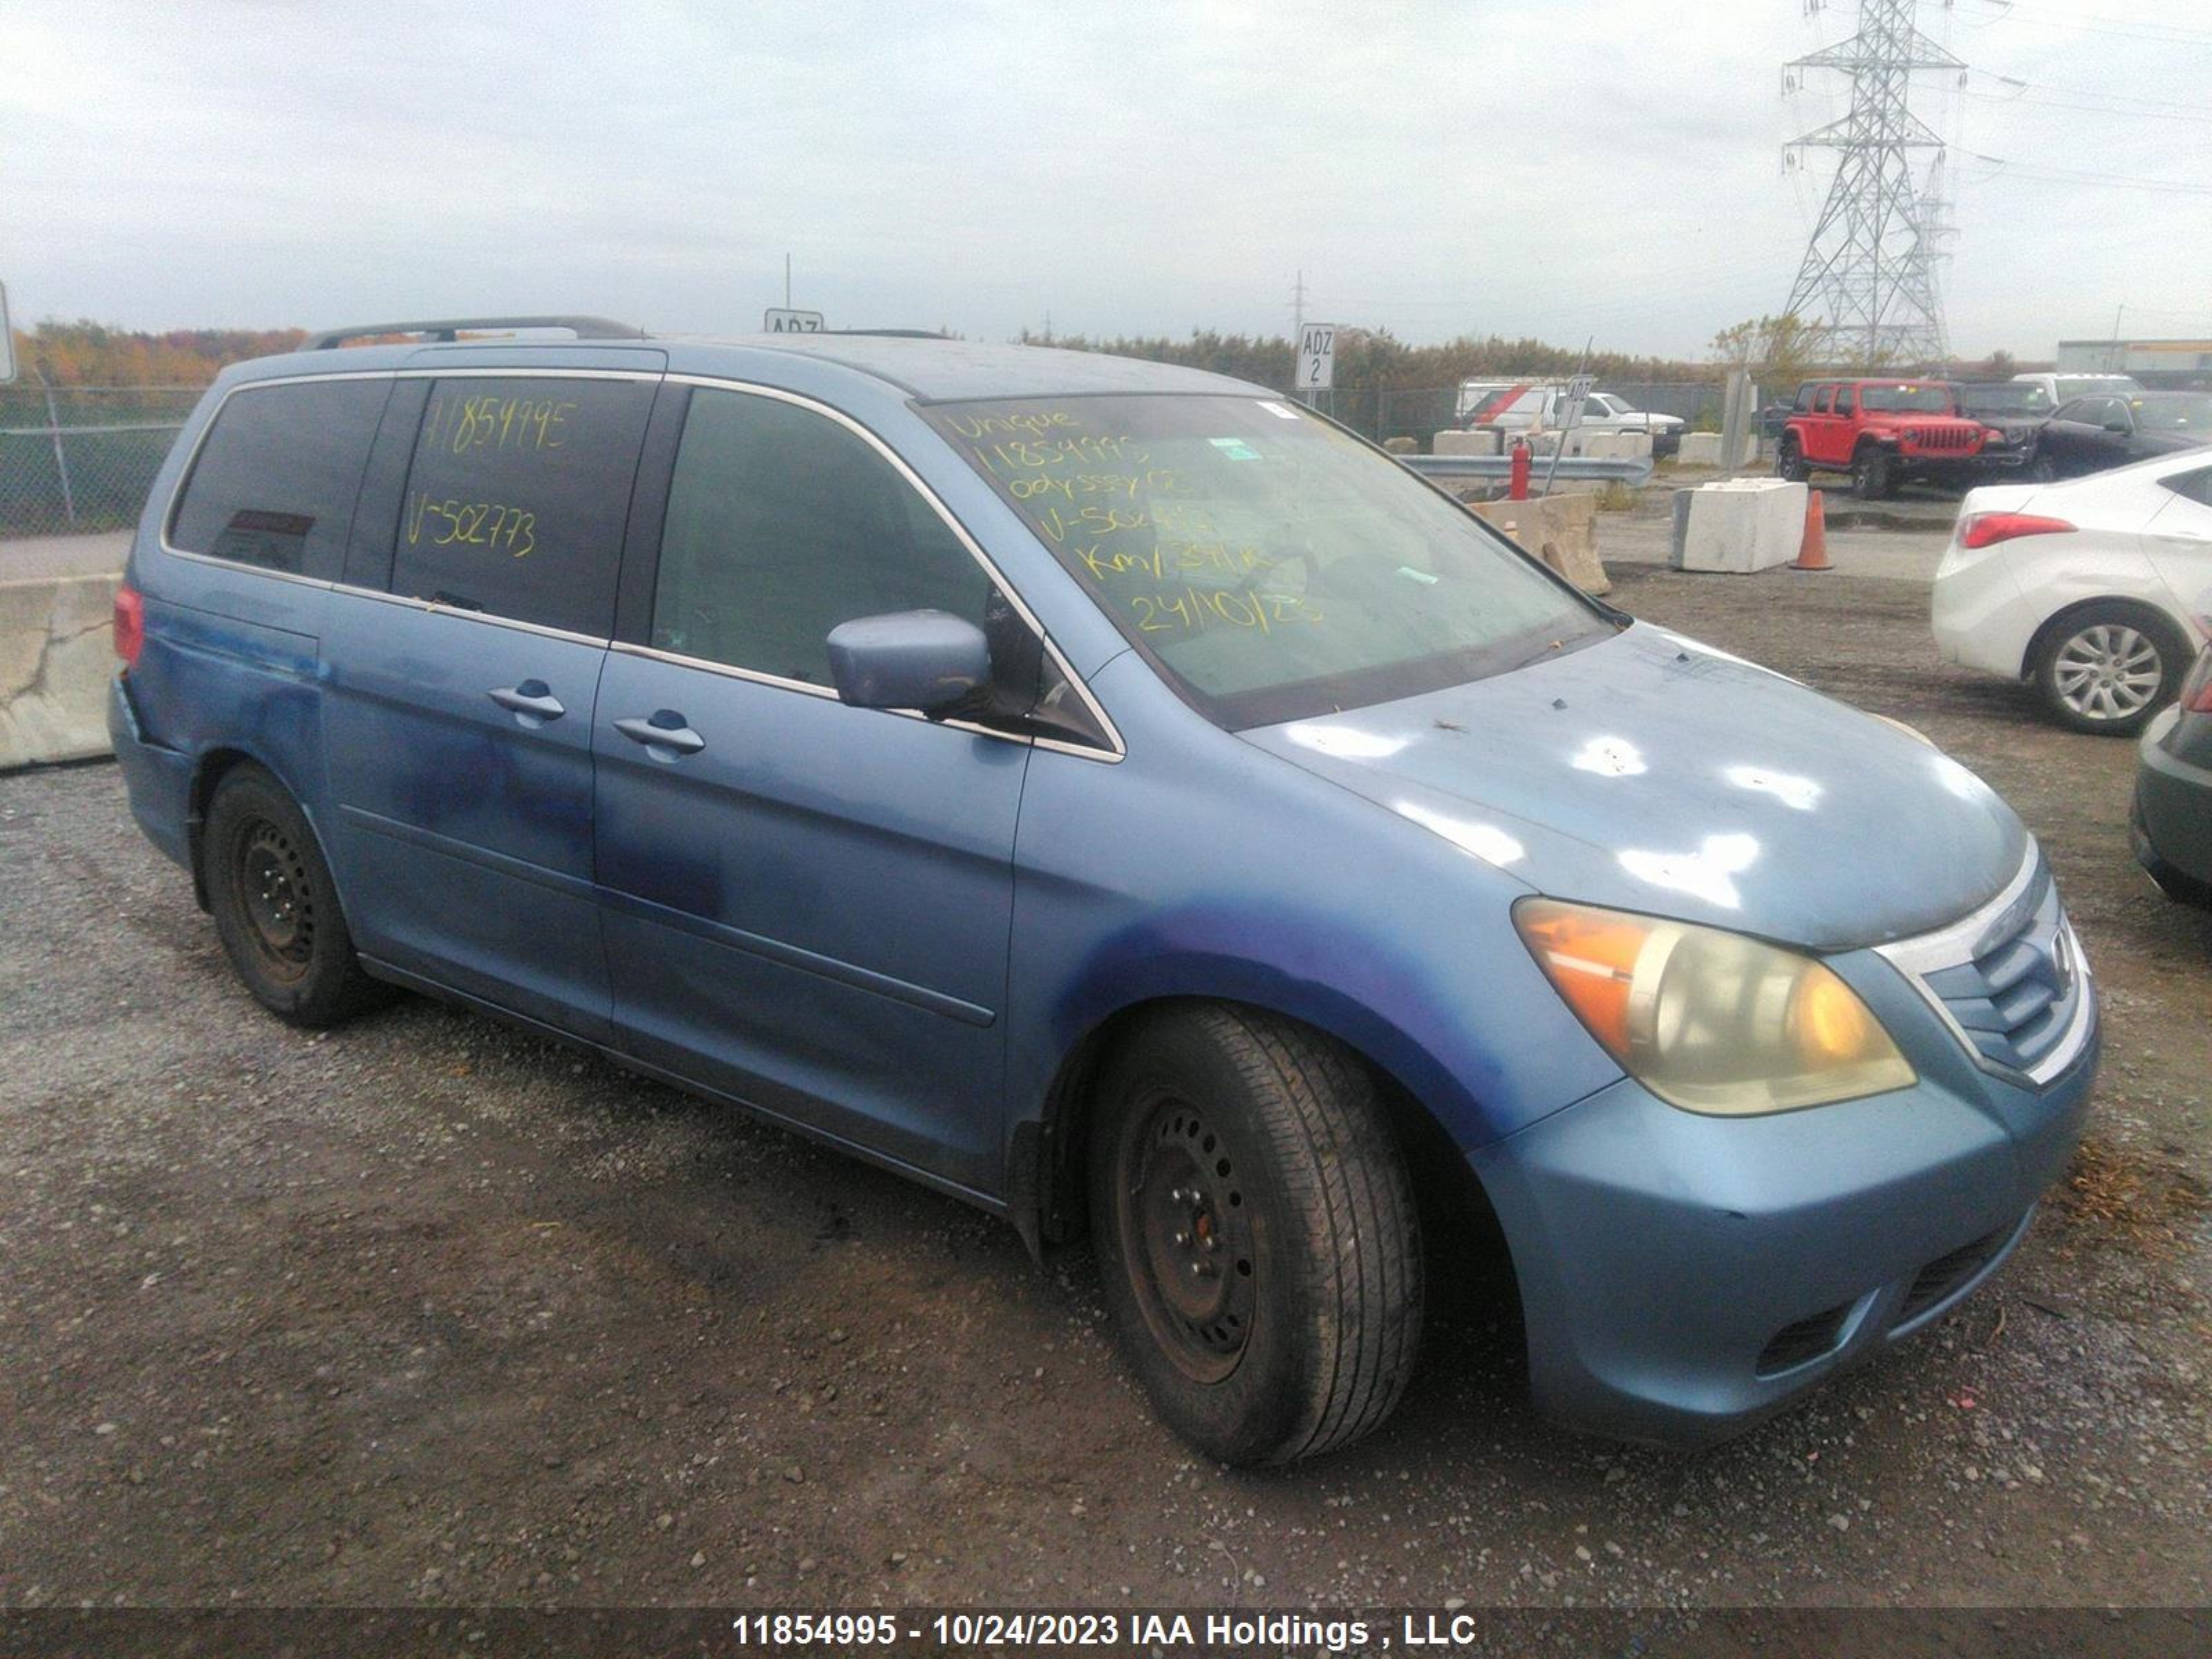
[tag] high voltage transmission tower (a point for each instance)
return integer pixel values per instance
(1868, 286)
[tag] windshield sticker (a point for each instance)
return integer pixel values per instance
(1235, 448)
(1280, 411)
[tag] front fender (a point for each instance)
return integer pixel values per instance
(1210, 868)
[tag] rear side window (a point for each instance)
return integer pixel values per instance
(274, 484)
(781, 524)
(517, 496)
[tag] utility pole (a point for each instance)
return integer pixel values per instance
(1866, 286)
(1298, 307)
(786, 281)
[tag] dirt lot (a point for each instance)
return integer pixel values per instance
(425, 1311)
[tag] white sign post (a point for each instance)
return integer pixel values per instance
(7, 340)
(781, 321)
(1316, 370)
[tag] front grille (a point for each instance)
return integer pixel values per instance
(2014, 998)
(1940, 1278)
(1803, 1339)
(1945, 437)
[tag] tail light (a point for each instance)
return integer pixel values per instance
(1987, 529)
(2196, 689)
(129, 624)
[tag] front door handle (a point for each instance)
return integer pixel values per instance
(532, 701)
(666, 736)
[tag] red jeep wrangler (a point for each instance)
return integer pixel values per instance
(1883, 433)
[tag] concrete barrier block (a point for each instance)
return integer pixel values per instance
(1483, 440)
(1742, 525)
(1703, 449)
(55, 660)
(1561, 530)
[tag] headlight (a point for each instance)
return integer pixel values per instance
(1708, 1020)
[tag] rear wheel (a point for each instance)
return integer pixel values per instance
(2108, 667)
(275, 907)
(1256, 1234)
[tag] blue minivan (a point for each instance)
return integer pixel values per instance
(1117, 797)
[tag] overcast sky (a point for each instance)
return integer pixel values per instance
(1436, 167)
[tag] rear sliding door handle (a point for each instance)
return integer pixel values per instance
(532, 703)
(667, 737)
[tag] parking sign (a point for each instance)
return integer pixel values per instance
(1316, 357)
(781, 321)
(1579, 391)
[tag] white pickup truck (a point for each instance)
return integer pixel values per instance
(1535, 405)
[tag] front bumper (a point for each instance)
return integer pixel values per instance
(1683, 1277)
(2170, 824)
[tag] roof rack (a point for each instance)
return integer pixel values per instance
(449, 328)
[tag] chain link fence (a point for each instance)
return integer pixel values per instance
(81, 458)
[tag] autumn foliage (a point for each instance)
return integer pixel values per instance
(86, 353)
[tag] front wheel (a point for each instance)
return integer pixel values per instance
(1256, 1234)
(2110, 666)
(1789, 462)
(1872, 473)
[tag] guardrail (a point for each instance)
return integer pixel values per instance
(1633, 470)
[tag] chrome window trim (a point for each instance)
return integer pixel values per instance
(408, 601)
(1118, 753)
(914, 481)
(1960, 942)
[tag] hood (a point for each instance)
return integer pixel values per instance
(1650, 772)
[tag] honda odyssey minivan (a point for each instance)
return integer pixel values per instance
(1117, 797)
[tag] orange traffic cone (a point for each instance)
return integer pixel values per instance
(1812, 551)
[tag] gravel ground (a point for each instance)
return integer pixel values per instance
(426, 1311)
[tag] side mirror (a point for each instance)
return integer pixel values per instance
(931, 661)
(2118, 426)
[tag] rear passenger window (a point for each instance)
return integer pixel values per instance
(274, 484)
(782, 523)
(516, 497)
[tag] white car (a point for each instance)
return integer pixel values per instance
(2087, 588)
(1530, 406)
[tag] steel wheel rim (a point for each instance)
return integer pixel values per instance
(276, 896)
(1186, 1229)
(2110, 671)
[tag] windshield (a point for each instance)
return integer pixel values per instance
(2005, 397)
(1270, 565)
(2182, 412)
(2083, 386)
(1914, 399)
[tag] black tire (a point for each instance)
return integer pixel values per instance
(1256, 1233)
(1873, 477)
(1789, 462)
(2108, 667)
(2040, 469)
(275, 907)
